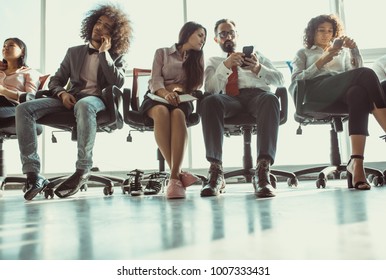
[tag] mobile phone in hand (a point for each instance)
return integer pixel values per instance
(247, 50)
(338, 43)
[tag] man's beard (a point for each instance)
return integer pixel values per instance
(228, 47)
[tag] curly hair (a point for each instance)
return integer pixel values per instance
(313, 24)
(194, 70)
(22, 61)
(122, 31)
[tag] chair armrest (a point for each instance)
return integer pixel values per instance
(299, 94)
(281, 93)
(112, 97)
(126, 99)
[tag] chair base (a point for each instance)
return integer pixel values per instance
(107, 180)
(375, 176)
(292, 180)
(10, 179)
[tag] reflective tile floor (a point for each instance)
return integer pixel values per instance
(303, 223)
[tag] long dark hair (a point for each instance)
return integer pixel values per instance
(22, 61)
(309, 32)
(192, 66)
(122, 31)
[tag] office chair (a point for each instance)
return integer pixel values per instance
(8, 131)
(107, 121)
(310, 113)
(245, 124)
(138, 122)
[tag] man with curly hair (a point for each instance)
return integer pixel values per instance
(88, 69)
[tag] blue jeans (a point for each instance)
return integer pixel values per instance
(85, 111)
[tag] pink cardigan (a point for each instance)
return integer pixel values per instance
(22, 80)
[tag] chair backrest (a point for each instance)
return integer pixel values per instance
(43, 82)
(135, 96)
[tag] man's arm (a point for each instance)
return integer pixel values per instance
(113, 70)
(216, 75)
(60, 79)
(268, 72)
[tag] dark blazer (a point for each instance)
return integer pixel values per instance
(110, 71)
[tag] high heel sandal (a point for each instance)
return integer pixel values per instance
(360, 185)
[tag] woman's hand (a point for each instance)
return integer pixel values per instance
(173, 98)
(326, 57)
(175, 87)
(349, 42)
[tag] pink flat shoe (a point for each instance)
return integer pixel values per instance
(188, 179)
(175, 189)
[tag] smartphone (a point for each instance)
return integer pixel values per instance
(247, 51)
(338, 43)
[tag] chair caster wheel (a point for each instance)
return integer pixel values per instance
(49, 193)
(321, 183)
(84, 187)
(108, 190)
(292, 182)
(378, 181)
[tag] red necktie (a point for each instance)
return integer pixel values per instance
(232, 86)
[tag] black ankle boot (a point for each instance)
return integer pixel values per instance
(215, 182)
(261, 180)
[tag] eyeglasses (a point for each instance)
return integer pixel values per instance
(225, 34)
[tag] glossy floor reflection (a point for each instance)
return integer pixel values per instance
(304, 223)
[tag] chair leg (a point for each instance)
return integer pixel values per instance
(161, 161)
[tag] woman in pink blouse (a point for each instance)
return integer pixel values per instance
(15, 76)
(178, 69)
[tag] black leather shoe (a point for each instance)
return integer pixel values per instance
(34, 185)
(261, 182)
(72, 184)
(215, 182)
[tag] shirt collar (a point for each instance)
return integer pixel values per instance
(91, 46)
(173, 49)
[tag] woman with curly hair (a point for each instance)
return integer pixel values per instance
(177, 69)
(334, 75)
(89, 69)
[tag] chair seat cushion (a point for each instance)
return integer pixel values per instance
(136, 120)
(66, 120)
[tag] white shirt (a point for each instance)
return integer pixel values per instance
(216, 75)
(89, 73)
(304, 67)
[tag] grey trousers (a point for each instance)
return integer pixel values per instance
(264, 106)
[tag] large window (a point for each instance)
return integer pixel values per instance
(274, 27)
(277, 31)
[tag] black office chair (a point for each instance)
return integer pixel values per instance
(310, 113)
(107, 121)
(8, 131)
(138, 122)
(245, 124)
